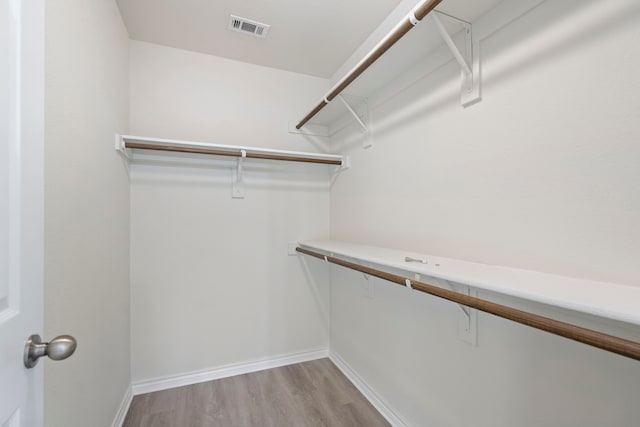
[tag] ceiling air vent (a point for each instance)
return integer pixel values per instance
(248, 26)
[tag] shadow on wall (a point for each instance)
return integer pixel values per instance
(567, 25)
(311, 271)
(319, 143)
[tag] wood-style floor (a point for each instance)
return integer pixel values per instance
(310, 394)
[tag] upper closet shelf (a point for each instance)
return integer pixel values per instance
(607, 300)
(124, 143)
(400, 50)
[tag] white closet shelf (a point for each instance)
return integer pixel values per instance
(416, 37)
(607, 300)
(124, 143)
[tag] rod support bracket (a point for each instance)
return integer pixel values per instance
(412, 18)
(467, 58)
(122, 148)
(467, 318)
(237, 189)
(366, 128)
(353, 113)
(346, 164)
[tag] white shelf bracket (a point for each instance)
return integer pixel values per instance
(346, 164)
(468, 320)
(366, 128)
(368, 140)
(467, 317)
(237, 189)
(121, 148)
(468, 59)
(353, 113)
(368, 286)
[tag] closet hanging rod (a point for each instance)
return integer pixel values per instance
(590, 337)
(396, 34)
(145, 143)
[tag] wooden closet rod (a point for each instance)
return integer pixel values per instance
(590, 337)
(403, 28)
(221, 152)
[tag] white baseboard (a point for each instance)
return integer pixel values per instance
(164, 383)
(367, 391)
(123, 409)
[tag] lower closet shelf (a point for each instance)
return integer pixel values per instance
(608, 300)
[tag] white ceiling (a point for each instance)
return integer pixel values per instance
(306, 36)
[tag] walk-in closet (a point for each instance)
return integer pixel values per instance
(250, 213)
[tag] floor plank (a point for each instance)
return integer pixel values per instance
(310, 394)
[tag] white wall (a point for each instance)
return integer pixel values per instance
(211, 281)
(542, 175)
(178, 94)
(86, 211)
(398, 14)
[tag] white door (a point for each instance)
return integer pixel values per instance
(21, 206)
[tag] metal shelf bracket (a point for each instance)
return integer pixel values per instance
(467, 317)
(468, 59)
(353, 113)
(366, 128)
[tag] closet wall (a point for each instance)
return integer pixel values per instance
(212, 283)
(86, 280)
(542, 175)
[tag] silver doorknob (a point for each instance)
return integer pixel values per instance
(58, 348)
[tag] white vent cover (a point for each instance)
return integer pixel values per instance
(247, 26)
